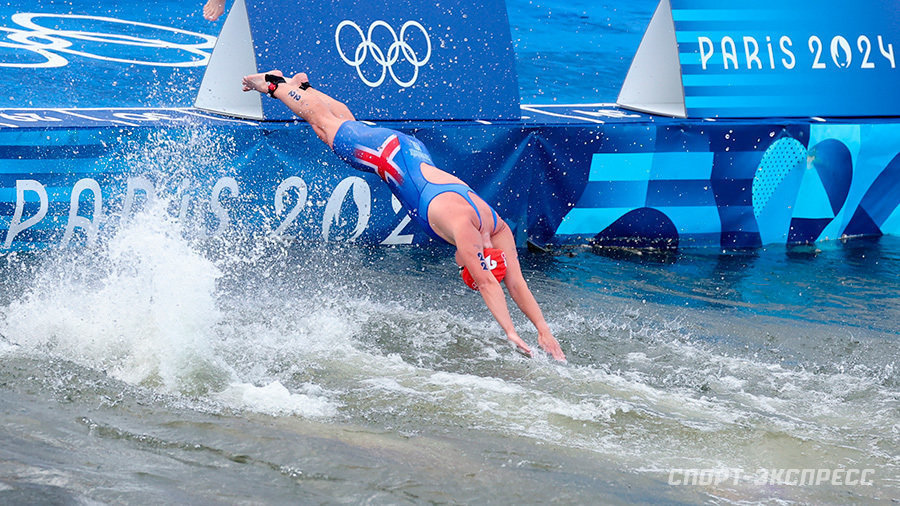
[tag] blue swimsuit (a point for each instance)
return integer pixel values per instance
(397, 158)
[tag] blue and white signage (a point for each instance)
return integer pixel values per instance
(396, 60)
(774, 58)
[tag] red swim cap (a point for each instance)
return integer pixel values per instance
(494, 260)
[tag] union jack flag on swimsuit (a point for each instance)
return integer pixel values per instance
(382, 159)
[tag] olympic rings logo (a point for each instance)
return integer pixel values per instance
(50, 43)
(387, 60)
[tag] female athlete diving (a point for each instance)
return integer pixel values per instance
(445, 207)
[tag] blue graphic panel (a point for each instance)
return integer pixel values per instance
(879, 210)
(782, 157)
(773, 58)
(815, 203)
(394, 59)
(657, 182)
(625, 188)
(640, 228)
(107, 54)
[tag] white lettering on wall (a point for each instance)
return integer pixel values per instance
(91, 226)
(17, 225)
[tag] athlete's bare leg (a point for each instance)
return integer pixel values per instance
(322, 112)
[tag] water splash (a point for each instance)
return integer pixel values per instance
(143, 305)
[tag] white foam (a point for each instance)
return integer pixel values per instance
(587, 411)
(5, 347)
(457, 381)
(275, 399)
(638, 357)
(143, 310)
(391, 385)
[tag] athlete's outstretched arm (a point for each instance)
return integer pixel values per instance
(521, 294)
(469, 244)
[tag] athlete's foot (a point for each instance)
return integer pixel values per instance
(213, 9)
(298, 79)
(257, 82)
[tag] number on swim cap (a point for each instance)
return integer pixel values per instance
(493, 260)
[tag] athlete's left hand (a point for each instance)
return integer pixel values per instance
(521, 347)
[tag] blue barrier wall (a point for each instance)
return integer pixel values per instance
(559, 180)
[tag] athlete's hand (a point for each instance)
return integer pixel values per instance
(520, 344)
(551, 346)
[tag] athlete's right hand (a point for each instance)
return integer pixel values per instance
(551, 346)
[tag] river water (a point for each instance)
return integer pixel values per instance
(159, 369)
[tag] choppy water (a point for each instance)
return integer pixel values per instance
(157, 369)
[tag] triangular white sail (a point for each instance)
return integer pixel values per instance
(232, 58)
(653, 83)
